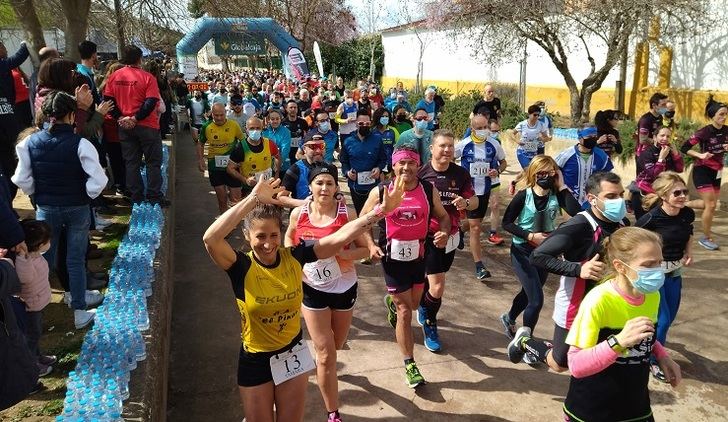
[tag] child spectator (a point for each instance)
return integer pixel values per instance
(35, 290)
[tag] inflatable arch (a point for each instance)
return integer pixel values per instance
(206, 28)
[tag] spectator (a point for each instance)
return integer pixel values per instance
(135, 94)
(44, 54)
(89, 61)
(9, 127)
(608, 138)
(112, 146)
(22, 98)
(63, 180)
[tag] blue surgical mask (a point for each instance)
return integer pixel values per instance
(324, 127)
(649, 280)
(614, 209)
(384, 120)
(421, 125)
(662, 110)
(254, 135)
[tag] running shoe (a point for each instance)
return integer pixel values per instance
(708, 244)
(391, 310)
(515, 351)
(530, 358)
(44, 370)
(93, 298)
(657, 372)
(481, 273)
(512, 188)
(412, 375)
(334, 417)
(432, 339)
(47, 359)
(495, 239)
(421, 315)
(508, 325)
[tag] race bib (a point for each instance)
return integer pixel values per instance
(431, 116)
(295, 142)
(351, 115)
(404, 250)
(323, 270)
(452, 242)
(221, 161)
(364, 178)
(530, 146)
(288, 365)
(670, 266)
(479, 169)
(332, 115)
(267, 174)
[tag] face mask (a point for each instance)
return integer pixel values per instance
(401, 117)
(421, 125)
(670, 114)
(662, 110)
(481, 134)
(614, 209)
(384, 120)
(254, 134)
(545, 182)
(324, 127)
(589, 143)
(393, 95)
(649, 280)
(364, 130)
(198, 97)
(349, 101)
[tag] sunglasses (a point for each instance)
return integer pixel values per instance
(421, 118)
(680, 192)
(545, 173)
(236, 104)
(316, 147)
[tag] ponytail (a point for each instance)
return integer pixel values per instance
(650, 201)
(712, 107)
(58, 105)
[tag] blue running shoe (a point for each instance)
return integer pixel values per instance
(421, 315)
(432, 339)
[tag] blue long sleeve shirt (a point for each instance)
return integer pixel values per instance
(362, 155)
(7, 85)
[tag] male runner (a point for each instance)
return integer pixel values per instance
(255, 156)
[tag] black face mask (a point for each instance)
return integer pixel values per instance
(198, 97)
(364, 130)
(401, 117)
(589, 143)
(669, 114)
(545, 182)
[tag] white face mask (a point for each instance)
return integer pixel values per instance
(482, 134)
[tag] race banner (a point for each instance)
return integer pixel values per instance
(297, 63)
(233, 44)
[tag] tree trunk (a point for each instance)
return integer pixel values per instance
(575, 105)
(28, 18)
(586, 97)
(76, 13)
(120, 36)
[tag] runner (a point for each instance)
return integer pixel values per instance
(713, 142)
(280, 135)
(650, 122)
(329, 285)
(388, 135)
(613, 335)
(483, 159)
(236, 110)
(401, 119)
(578, 241)
(669, 217)
(346, 117)
(221, 136)
(579, 162)
(653, 160)
(254, 157)
(530, 218)
(456, 193)
(297, 126)
(428, 104)
(489, 105)
(419, 137)
(530, 135)
(362, 160)
(401, 248)
(322, 126)
(268, 288)
(197, 111)
(608, 138)
(295, 180)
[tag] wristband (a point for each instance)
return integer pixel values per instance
(467, 203)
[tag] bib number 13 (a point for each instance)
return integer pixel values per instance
(288, 365)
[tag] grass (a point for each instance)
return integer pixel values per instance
(61, 338)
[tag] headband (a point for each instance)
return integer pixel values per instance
(404, 154)
(713, 108)
(587, 132)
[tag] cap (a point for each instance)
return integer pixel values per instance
(323, 168)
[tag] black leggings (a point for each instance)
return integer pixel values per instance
(530, 299)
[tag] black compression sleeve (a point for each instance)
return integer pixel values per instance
(568, 202)
(559, 241)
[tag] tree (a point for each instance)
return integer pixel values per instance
(76, 14)
(563, 27)
(25, 14)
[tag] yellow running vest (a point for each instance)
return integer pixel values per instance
(270, 313)
(254, 163)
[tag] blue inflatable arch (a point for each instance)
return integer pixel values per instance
(206, 28)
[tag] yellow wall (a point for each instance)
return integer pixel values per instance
(690, 103)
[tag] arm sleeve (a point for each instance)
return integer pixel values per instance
(659, 350)
(586, 362)
(382, 159)
(689, 144)
(23, 177)
(290, 179)
(547, 254)
(147, 108)
(304, 252)
(511, 214)
(97, 179)
(568, 202)
(678, 163)
(237, 274)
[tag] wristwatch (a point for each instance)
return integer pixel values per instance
(614, 344)
(467, 203)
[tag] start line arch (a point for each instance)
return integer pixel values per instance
(206, 28)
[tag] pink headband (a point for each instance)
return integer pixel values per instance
(404, 154)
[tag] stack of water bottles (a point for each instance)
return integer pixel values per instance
(165, 166)
(98, 386)
(566, 133)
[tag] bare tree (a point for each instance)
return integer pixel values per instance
(26, 14)
(421, 28)
(561, 28)
(76, 14)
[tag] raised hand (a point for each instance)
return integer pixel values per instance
(392, 199)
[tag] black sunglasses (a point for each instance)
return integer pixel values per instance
(680, 192)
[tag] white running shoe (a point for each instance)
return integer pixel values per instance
(101, 222)
(83, 318)
(93, 298)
